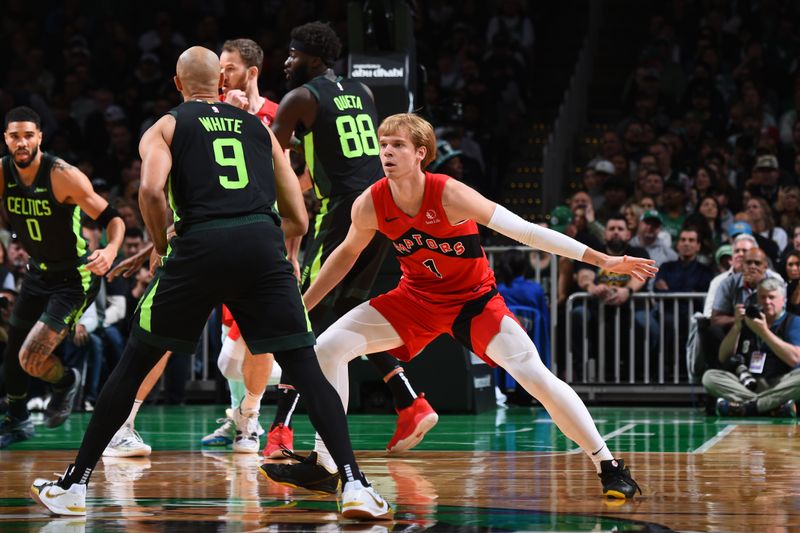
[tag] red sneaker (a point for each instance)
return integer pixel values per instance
(278, 436)
(413, 423)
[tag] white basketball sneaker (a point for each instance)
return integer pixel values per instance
(126, 442)
(69, 502)
(246, 439)
(363, 502)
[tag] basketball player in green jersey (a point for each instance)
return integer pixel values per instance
(335, 119)
(44, 196)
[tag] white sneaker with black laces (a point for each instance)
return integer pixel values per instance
(363, 502)
(246, 439)
(66, 502)
(126, 442)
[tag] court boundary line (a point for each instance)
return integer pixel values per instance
(721, 434)
(608, 436)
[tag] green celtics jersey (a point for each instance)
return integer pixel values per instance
(341, 146)
(49, 231)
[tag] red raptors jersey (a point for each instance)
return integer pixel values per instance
(267, 112)
(440, 262)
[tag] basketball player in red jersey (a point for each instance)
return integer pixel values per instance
(448, 287)
(240, 63)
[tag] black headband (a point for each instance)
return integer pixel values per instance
(306, 48)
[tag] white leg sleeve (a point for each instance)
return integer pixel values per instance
(512, 349)
(363, 330)
(231, 357)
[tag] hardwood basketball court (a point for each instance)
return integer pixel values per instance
(509, 470)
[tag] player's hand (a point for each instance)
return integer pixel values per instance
(131, 265)
(156, 261)
(757, 325)
(636, 267)
(81, 336)
(237, 98)
(100, 261)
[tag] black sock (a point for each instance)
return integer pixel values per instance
(324, 407)
(18, 407)
(66, 380)
(402, 392)
(17, 380)
(113, 407)
(287, 402)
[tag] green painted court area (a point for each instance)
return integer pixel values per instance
(522, 429)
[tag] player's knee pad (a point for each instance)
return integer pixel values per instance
(231, 357)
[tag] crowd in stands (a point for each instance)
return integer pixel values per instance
(707, 148)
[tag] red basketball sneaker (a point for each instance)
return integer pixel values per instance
(413, 423)
(278, 436)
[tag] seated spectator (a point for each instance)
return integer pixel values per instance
(740, 288)
(722, 258)
(602, 170)
(17, 260)
(663, 152)
(607, 289)
(793, 245)
(760, 355)
(649, 236)
(584, 225)
(704, 182)
(707, 222)
(769, 246)
(673, 208)
(685, 274)
(759, 215)
(615, 193)
(6, 277)
(792, 276)
(651, 183)
(787, 207)
(526, 299)
(631, 210)
(765, 180)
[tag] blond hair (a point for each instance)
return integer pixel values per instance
(419, 131)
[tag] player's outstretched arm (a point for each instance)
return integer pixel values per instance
(131, 265)
(362, 230)
(462, 202)
(156, 164)
(290, 199)
(72, 186)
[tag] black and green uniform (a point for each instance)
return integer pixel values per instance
(229, 247)
(342, 151)
(58, 286)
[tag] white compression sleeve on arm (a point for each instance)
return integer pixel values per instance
(511, 225)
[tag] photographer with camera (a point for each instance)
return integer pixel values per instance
(761, 354)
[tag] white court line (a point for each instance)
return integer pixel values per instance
(607, 436)
(724, 432)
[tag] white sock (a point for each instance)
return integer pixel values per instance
(132, 417)
(603, 454)
(251, 402)
(324, 458)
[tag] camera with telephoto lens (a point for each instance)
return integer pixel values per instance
(745, 377)
(753, 310)
(739, 367)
